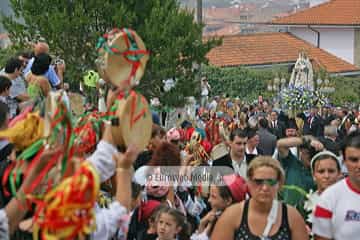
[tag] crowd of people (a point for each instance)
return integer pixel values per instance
(290, 177)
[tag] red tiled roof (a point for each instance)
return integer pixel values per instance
(272, 48)
(226, 30)
(335, 12)
(4, 36)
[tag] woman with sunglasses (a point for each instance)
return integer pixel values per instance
(262, 217)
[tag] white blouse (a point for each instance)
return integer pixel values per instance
(4, 225)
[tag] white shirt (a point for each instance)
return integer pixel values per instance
(337, 215)
(274, 124)
(254, 152)
(240, 168)
(4, 225)
(293, 150)
(204, 89)
(108, 221)
(213, 105)
(3, 99)
(102, 160)
(199, 236)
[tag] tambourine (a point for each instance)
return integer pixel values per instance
(122, 58)
(57, 119)
(133, 121)
(51, 105)
(77, 103)
(219, 151)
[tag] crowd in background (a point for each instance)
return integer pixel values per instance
(292, 177)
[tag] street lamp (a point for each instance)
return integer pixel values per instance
(274, 85)
(319, 81)
(325, 86)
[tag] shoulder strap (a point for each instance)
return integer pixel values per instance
(285, 220)
(244, 218)
(271, 218)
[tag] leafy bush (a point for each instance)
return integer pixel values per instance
(248, 84)
(347, 90)
(241, 82)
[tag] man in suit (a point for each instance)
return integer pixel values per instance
(327, 115)
(343, 116)
(252, 150)
(314, 123)
(330, 140)
(267, 142)
(236, 159)
(276, 127)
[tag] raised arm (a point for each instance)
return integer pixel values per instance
(284, 144)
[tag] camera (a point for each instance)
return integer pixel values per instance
(59, 61)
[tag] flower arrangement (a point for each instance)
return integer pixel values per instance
(310, 204)
(297, 99)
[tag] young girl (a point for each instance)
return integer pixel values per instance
(221, 197)
(171, 224)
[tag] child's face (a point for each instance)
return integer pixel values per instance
(167, 227)
(215, 200)
(7, 92)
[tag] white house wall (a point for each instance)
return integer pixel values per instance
(305, 34)
(337, 41)
(314, 3)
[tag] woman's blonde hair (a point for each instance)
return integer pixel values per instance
(266, 161)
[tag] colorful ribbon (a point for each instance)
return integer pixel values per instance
(133, 55)
(68, 211)
(61, 124)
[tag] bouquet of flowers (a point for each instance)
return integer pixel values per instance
(297, 99)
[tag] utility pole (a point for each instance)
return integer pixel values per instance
(199, 21)
(199, 11)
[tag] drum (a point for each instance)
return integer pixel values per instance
(122, 58)
(52, 105)
(219, 151)
(133, 121)
(77, 103)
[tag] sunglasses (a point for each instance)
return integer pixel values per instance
(260, 182)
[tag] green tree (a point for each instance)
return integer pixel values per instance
(347, 90)
(241, 82)
(72, 27)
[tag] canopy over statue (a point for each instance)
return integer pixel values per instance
(302, 74)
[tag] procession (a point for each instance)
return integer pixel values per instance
(111, 150)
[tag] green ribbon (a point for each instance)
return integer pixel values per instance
(133, 47)
(31, 150)
(102, 43)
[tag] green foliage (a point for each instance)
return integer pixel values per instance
(249, 83)
(241, 82)
(72, 27)
(5, 54)
(347, 90)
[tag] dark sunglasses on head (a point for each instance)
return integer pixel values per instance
(270, 182)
